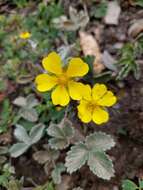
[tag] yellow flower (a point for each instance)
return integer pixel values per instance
(92, 106)
(62, 79)
(25, 35)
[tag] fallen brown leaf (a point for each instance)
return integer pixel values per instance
(136, 28)
(90, 46)
(6, 138)
(65, 185)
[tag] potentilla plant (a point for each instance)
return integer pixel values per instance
(62, 79)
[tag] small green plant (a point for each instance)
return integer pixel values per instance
(129, 185)
(99, 10)
(5, 116)
(25, 140)
(6, 174)
(138, 2)
(127, 62)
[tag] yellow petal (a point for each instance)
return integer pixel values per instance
(77, 68)
(100, 116)
(25, 35)
(107, 100)
(87, 92)
(85, 118)
(53, 63)
(98, 91)
(76, 90)
(60, 96)
(84, 113)
(45, 82)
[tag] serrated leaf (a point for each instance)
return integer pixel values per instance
(76, 157)
(129, 185)
(100, 164)
(18, 149)
(58, 143)
(44, 156)
(100, 141)
(29, 114)
(36, 133)
(67, 128)
(61, 134)
(20, 101)
(21, 134)
(55, 131)
(31, 101)
(56, 173)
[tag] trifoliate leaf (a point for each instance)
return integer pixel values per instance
(92, 151)
(21, 134)
(56, 173)
(36, 133)
(100, 165)
(129, 185)
(18, 149)
(61, 134)
(76, 157)
(100, 141)
(29, 114)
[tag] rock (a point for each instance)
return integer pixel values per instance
(113, 13)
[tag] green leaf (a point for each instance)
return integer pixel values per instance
(36, 133)
(139, 3)
(56, 173)
(100, 165)
(92, 152)
(100, 10)
(100, 141)
(76, 157)
(20, 101)
(31, 101)
(18, 149)
(61, 134)
(44, 156)
(29, 114)
(21, 134)
(58, 143)
(129, 185)
(141, 183)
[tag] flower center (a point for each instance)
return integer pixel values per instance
(62, 79)
(91, 106)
